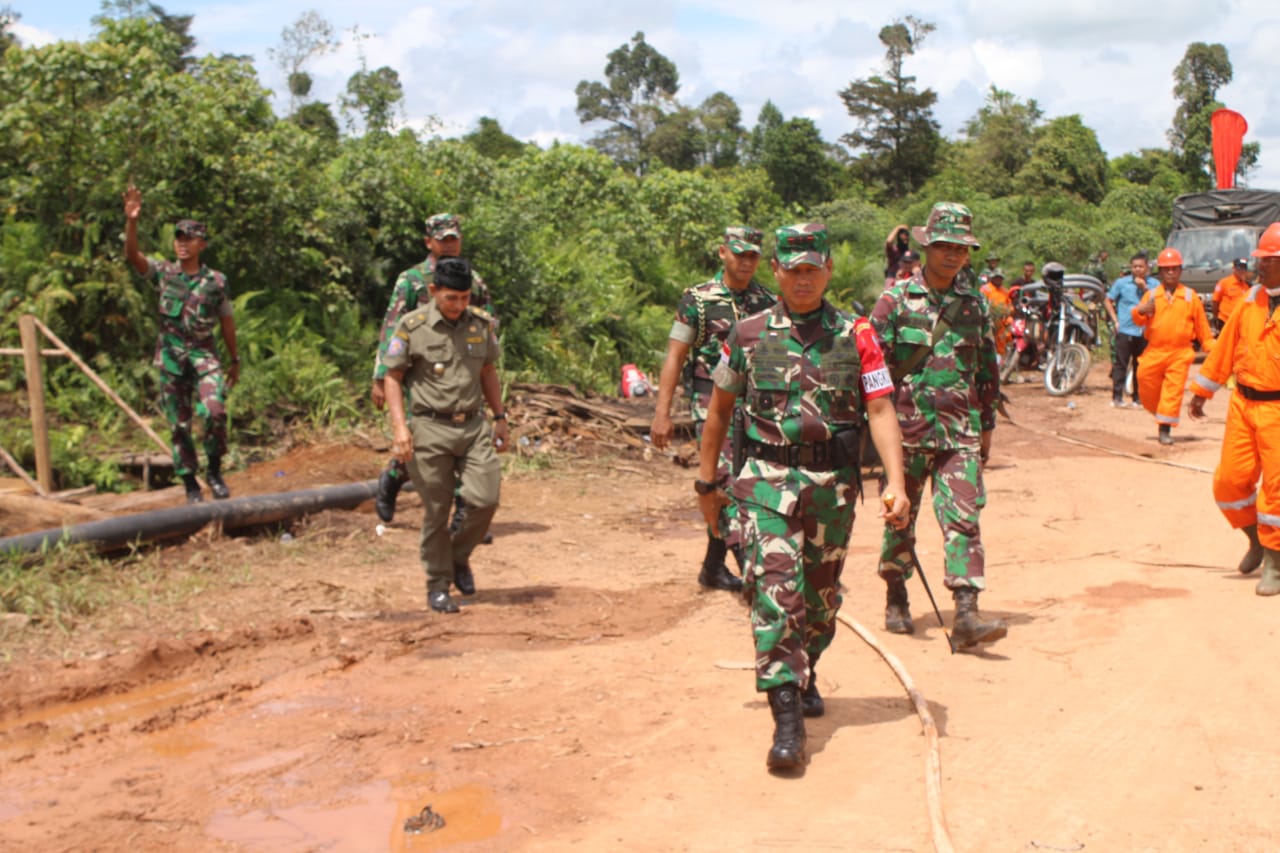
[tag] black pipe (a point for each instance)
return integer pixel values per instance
(115, 533)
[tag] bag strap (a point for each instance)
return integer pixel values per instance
(920, 353)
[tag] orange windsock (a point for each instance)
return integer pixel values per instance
(1228, 134)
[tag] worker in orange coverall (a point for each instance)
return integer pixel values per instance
(1249, 347)
(1172, 316)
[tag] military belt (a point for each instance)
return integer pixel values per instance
(816, 456)
(1256, 395)
(458, 418)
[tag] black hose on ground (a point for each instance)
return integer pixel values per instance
(115, 533)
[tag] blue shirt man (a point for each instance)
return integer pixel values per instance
(1122, 298)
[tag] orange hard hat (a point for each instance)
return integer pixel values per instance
(1269, 243)
(1169, 258)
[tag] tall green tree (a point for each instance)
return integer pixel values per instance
(492, 141)
(770, 117)
(374, 96)
(1001, 136)
(895, 125)
(796, 159)
(640, 90)
(1066, 158)
(305, 39)
(723, 136)
(1204, 69)
(8, 18)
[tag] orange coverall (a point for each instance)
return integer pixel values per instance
(1165, 363)
(1002, 303)
(1249, 347)
(1227, 294)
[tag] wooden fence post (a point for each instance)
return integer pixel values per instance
(35, 394)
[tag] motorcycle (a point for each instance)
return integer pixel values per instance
(1054, 327)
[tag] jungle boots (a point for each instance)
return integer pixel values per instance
(787, 751)
(897, 609)
(1253, 557)
(192, 487)
(714, 574)
(811, 700)
(1269, 583)
(1166, 435)
(216, 484)
(390, 482)
(969, 629)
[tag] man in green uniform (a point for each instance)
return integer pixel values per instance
(193, 299)
(806, 374)
(444, 240)
(443, 357)
(704, 317)
(937, 335)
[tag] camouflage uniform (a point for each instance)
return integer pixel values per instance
(452, 442)
(943, 406)
(190, 308)
(801, 381)
(704, 317)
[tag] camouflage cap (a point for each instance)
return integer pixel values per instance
(995, 272)
(948, 223)
(444, 225)
(191, 228)
(803, 243)
(743, 238)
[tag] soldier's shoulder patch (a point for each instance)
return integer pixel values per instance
(398, 346)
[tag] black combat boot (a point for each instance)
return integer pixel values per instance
(787, 751)
(714, 574)
(193, 489)
(897, 609)
(462, 577)
(214, 477)
(389, 485)
(1253, 557)
(811, 700)
(969, 629)
(1166, 435)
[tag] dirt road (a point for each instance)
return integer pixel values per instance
(592, 698)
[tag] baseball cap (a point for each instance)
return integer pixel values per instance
(1240, 263)
(443, 225)
(803, 243)
(742, 238)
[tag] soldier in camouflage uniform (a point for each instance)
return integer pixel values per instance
(444, 240)
(443, 358)
(937, 335)
(807, 373)
(704, 317)
(193, 299)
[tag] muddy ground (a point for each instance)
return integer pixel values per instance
(296, 696)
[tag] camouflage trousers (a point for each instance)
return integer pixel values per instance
(958, 499)
(201, 379)
(796, 526)
(730, 513)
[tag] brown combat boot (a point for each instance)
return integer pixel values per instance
(789, 737)
(1253, 557)
(897, 608)
(969, 629)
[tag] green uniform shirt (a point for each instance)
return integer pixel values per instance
(442, 359)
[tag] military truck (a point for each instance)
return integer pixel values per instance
(1212, 229)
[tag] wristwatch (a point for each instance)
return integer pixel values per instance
(704, 487)
(501, 417)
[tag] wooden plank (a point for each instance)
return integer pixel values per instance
(35, 394)
(44, 352)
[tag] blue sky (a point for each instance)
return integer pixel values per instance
(1110, 62)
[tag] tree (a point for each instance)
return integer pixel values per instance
(796, 159)
(1204, 69)
(1001, 136)
(1066, 158)
(677, 140)
(895, 125)
(309, 36)
(769, 118)
(492, 141)
(374, 95)
(318, 119)
(722, 134)
(177, 54)
(8, 18)
(641, 88)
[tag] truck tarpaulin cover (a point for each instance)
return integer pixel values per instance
(1223, 207)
